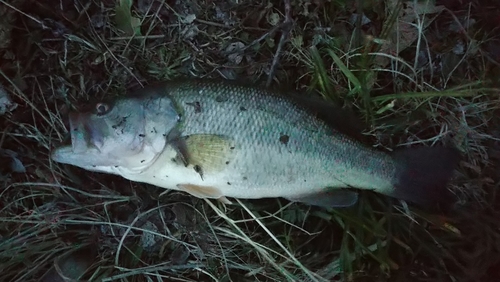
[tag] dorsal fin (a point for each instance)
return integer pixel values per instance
(343, 120)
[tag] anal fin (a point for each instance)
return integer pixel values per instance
(203, 192)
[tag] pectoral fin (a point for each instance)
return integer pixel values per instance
(206, 152)
(329, 199)
(177, 142)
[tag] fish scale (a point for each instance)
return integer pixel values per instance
(221, 139)
(271, 167)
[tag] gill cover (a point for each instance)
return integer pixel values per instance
(128, 132)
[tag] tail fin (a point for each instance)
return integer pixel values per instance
(423, 173)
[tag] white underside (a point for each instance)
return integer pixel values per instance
(238, 180)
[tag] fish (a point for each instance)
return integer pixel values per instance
(221, 139)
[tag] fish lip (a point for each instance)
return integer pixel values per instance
(66, 155)
(60, 154)
(81, 145)
(79, 141)
(80, 138)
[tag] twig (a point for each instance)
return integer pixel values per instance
(21, 12)
(262, 37)
(286, 28)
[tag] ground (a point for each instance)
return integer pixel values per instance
(417, 73)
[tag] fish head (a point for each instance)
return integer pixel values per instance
(128, 133)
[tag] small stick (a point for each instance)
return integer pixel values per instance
(262, 37)
(286, 28)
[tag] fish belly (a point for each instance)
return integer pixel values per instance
(264, 172)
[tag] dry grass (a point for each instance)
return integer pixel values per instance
(410, 80)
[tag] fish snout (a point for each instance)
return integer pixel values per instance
(83, 135)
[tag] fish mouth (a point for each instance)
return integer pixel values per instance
(80, 135)
(82, 141)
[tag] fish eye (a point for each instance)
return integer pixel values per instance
(102, 108)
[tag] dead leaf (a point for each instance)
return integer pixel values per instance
(7, 17)
(71, 266)
(6, 104)
(234, 56)
(144, 5)
(405, 31)
(124, 19)
(355, 17)
(422, 8)
(189, 19)
(15, 164)
(180, 255)
(273, 19)
(190, 31)
(149, 240)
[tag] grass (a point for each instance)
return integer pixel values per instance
(418, 92)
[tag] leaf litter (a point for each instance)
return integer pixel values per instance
(144, 233)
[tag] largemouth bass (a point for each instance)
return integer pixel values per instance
(220, 139)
